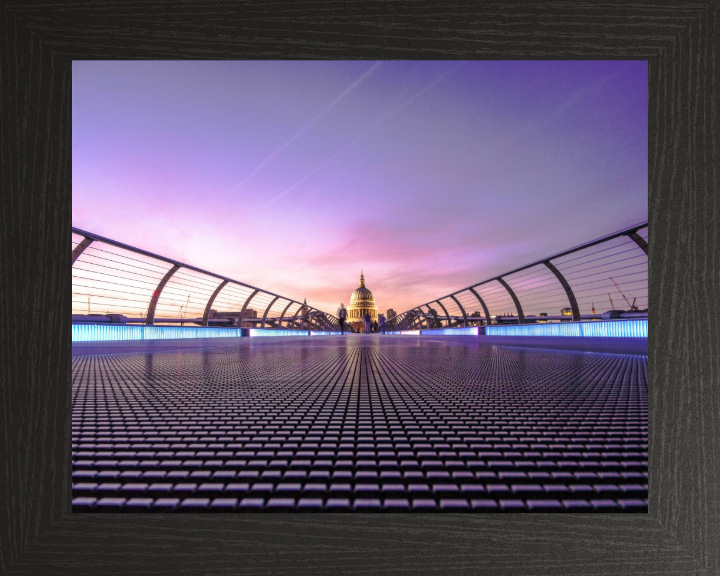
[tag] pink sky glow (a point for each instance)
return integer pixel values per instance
(294, 176)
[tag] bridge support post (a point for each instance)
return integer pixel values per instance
(571, 297)
(433, 312)
(262, 324)
(461, 310)
(242, 313)
(150, 318)
(80, 248)
(488, 321)
(518, 307)
(295, 316)
(447, 316)
(206, 314)
(640, 241)
(283, 314)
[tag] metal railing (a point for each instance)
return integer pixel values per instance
(116, 283)
(606, 278)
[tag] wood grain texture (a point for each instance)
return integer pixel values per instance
(38, 534)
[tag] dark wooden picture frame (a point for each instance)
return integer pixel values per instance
(38, 533)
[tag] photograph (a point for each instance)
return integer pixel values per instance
(360, 286)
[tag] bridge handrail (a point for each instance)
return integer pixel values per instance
(556, 275)
(321, 320)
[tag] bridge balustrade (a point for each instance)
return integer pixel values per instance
(606, 278)
(125, 284)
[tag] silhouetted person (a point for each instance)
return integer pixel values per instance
(342, 315)
(381, 319)
(375, 327)
(368, 323)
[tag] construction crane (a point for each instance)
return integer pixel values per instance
(631, 306)
(183, 309)
(611, 302)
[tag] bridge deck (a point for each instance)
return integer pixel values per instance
(371, 423)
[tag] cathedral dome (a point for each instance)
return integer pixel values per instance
(361, 303)
(361, 293)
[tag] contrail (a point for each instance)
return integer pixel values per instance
(370, 129)
(308, 125)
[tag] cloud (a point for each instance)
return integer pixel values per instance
(307, 126)
(372, 126)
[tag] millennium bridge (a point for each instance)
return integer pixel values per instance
(525, 392)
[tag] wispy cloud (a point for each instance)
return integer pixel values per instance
(307, 126)
(372, 126)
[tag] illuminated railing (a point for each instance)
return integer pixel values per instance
(606, 279)
(113, 283)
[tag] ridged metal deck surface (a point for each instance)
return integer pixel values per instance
(363, 423)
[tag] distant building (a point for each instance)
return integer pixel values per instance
(566, 311)
(479, 315)
(390, 314)
(361, 302)
(435, 322)
(303, 314)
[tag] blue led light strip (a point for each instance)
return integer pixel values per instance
(616, 329)
(468, 331)
(259, 332)
(325, 334)
(98, 332)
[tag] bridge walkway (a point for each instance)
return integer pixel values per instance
(360, 423)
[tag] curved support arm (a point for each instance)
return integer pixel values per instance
(411, 321)
(571, 297)
(416, 318)
(640, 241)
(283, 314)
(206, 314)
(461, 310)
(295, 316)
(488, 321)
(521, 316)
(326, 321)
(80, 248)
(433, 312)
(313, 319)
(242, 313)
(334, 323)
(426, 315)
(150, 319)
(446, 314)
(262, 324)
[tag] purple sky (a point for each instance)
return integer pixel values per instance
(292, 176)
